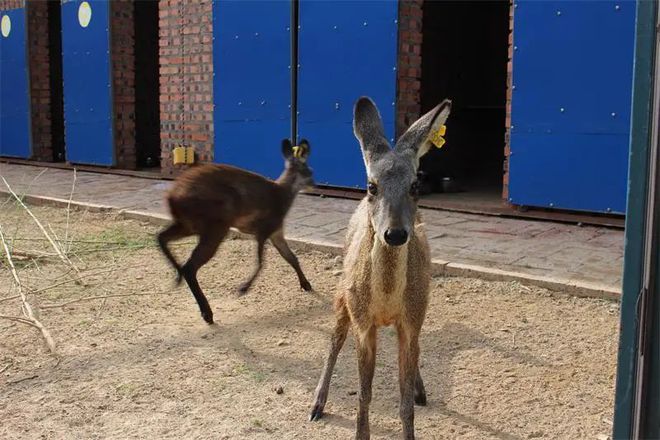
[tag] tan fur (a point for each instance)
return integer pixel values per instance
(386, 264)
(382, 283)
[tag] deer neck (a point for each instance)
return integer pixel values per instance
(285, 182)
(388, 266)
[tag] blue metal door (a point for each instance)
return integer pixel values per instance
(572, 79)
(251, 84)
(346, 50)
(88, 125)
(14, 93)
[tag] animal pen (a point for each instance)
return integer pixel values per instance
(536, 123)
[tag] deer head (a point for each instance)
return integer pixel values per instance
(392, 172)
(297, 172)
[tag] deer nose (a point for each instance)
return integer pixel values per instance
(396, 237)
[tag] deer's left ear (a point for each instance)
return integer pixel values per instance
(417, 140)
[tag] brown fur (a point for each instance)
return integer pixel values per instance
(208, 200)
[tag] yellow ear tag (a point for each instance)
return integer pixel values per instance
(297, 151)
(436, 138)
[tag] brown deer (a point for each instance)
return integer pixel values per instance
(386, 262)
(208, 199)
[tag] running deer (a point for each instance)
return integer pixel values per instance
(207, 200)
(386, 262)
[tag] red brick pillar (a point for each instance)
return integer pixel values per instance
(409, 64)
(123, 81)
(186, 79)
(40, 93)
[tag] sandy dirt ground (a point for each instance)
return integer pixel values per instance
(500, 360)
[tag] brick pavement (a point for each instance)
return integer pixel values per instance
(583, 260)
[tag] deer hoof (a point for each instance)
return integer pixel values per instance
(316, 414)
(243, 289)
(420, 399)
(306, 286)
(208, 317)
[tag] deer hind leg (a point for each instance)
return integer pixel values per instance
(336, 343)
(408, 377)
(283, 248)
(205, 250)
(243, 288)
(173, 232)
(366, 353)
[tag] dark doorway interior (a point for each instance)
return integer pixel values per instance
(464, 58)
(147, 106)
(56, 83)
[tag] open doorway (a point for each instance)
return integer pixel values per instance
(147, 106)
(464, 57)
(56, 82)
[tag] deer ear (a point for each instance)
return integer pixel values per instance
(416, 141)
(368, 129)
(303, 150)
(287, 149)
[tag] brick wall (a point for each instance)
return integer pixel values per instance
(38, 53)
(38, 62)
(409, 64)
(11, 4)
(509, 89)
(123, 82)
(186, 79)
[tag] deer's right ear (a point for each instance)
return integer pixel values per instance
(287, 149)
(368, 129)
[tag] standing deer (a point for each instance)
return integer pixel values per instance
(207, 200)
(386, 262)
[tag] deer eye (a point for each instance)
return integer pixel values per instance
(372, 189)
(414, 189)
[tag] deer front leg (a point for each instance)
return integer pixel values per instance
(283, 248)
(243, 288)
(338, 337)
(408, 378)
(366, 353)
(420, 391)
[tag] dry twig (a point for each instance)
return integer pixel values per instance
(9, 298)
(23, 379)
(27, 308)
(63, 257)
(18, 319)
(91, 298)
(68, 213)
(86, 275)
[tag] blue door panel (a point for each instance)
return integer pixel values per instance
(14, 92)
(346, 50)
(573, 178)
(88, 120)
(251, 84)
(572, 77)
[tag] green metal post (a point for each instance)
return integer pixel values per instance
(630, 404)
